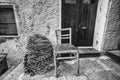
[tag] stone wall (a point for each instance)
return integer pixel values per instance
(112, 33)
(33, 16)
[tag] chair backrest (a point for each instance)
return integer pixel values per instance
(118, 46)
(63, 35)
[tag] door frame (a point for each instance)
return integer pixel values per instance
(94, 36)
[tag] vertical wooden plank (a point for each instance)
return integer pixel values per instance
(55, 64)
(78, 63)
(92, 19)
(70, 35)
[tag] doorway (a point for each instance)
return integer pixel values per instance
(80, 16)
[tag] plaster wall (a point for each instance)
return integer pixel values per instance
(100, 24)
(33, 16)
(44, 17)
(112, 32)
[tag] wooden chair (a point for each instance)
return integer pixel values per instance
(65, 48)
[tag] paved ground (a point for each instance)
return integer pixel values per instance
(98, 68)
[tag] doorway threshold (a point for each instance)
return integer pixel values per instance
(89, 51)
(84, 47)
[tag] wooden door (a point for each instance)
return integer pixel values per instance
(80, 15)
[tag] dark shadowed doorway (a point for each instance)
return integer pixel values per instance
(80, 15)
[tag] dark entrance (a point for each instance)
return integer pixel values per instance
(80, 15)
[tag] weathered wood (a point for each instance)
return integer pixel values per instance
(66, 49)
(63, 34)
(64, 58)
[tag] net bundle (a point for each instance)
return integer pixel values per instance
(40, 55)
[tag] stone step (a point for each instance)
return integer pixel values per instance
(114, 54)
(89, 52)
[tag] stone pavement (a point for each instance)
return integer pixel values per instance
(97, 68)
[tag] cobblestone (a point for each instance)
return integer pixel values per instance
(89, 70)
(113, 65)
(104, 75)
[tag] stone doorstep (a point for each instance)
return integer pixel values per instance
(89, 51)
(115, 52)
(104, 57)
(114, 55)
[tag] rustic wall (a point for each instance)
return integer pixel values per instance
(43, 16)
(100, 23)
(33, 16)
(112, 33)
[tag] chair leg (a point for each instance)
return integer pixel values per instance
(78, 64)
(55, 64)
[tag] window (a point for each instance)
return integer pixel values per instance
(7, 21)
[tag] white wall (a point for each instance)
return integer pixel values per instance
(100, 24)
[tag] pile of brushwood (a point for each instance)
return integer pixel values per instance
(40, 55)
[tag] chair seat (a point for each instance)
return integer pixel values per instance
(66, 58)
(65, 48)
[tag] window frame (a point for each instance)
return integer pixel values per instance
(16, 19)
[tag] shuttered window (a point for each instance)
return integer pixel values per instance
(7, 21)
